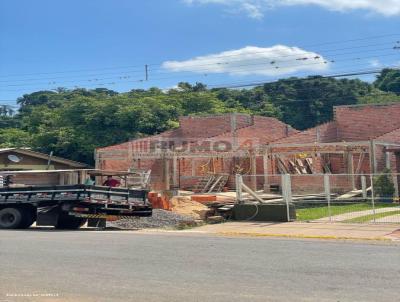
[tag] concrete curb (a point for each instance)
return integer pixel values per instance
(302, 236)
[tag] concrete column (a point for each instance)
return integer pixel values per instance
(130, 156)
(265, 169)
(396, 187)
(166, 174)
(193, 164)
(397, 155)
(364, 187)
(238, 186)
(97, 164)
(372, 159)
(387, 160)
(253, 171)
(175, 171)
(234, 131)
(350, 169)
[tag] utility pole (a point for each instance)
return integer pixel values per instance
(146, 70)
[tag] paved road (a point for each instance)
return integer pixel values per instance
(128, 266)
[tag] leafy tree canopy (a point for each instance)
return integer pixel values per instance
(389, 80)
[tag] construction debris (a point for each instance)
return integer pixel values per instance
(186, 206)
(352, 194)
(215, 219)
(204, 199)
(211, 183)
(160, 219)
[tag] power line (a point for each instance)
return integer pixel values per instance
(275, 57)
(140, 67)
(80, 76)
(252, 84)
(124, 73)
(309, 78)
(239, 68)
(235, 69)
(127, 74)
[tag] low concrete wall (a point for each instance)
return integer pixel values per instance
(263, 212)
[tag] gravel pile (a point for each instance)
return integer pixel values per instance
(160, 219)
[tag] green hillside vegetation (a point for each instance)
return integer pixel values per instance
(74, 122)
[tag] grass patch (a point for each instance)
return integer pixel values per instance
(313, 213)
(369, 218)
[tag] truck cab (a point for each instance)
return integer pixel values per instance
(70, 205)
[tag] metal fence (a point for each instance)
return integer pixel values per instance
(345, 198)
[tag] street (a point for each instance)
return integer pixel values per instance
(47, 265)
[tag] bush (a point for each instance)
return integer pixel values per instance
(383, 184)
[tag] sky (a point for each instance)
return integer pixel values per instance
(45, 44)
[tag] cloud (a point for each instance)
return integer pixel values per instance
(251, 60)
(375, 63)
(251, 8)
(256, 8)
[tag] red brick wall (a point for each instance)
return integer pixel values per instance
(390, 137)
(327, 133)
(256, 129)
(314, 184)
(354, 123)
(267, 129)
(357, 123)
(209, 126)
(263, 130)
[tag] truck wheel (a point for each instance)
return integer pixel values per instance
(10, 218)
(28, 218)
(68, 222)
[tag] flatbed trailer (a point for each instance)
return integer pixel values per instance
(69, 206)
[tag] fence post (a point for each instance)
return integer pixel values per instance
(239, 182)
(396, 187)
(364, 187)
(287, 193)
(327, 186)
(373, 196)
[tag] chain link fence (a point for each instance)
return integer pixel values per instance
(345, 198)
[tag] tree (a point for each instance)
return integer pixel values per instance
(379, 97)
(36, 98)
(6, 110)
(72, 123)
(13, 137)
(389, 80)
(305, 103)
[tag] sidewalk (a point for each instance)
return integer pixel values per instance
(389, 232)
(356, 214)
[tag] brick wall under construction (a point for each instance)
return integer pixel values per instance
(351, 124)
(244, 130)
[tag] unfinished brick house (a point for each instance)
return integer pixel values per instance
(361, 139)
(220, 144)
